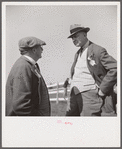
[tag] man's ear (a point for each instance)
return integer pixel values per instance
(85, 34)
(34, 49)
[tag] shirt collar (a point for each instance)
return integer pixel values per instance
(30, 59)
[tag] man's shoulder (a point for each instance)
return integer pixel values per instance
(96, 46)
(22, 62)
(96, 49)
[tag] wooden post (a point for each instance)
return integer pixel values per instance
(57, 94)
(57, 100)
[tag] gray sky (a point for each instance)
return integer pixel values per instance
(51, 23)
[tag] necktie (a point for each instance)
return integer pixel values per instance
(80, 51)
(37, 67)
(37, 70)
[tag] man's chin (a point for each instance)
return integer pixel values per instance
(77, 45)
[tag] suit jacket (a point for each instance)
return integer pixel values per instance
(26, 92)
(103, 68)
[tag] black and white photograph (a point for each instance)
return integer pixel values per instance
(61, 74)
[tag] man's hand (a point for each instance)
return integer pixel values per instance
(66, 83)
(100, 93)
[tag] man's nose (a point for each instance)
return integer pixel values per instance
(41, 48)
(73, 39)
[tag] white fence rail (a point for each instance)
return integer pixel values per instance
(57, 88)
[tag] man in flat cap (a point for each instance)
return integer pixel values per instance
(93, 76)
(26, 91)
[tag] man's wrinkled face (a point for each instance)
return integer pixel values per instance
(38, 52)
(79, 39)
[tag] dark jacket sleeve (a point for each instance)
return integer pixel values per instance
(110, 65)
(73, 65)
(22, 91)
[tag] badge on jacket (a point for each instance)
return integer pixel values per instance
(91, 60)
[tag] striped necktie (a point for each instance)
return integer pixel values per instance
(38, 70)
(37, 67)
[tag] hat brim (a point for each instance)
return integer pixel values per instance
(80, 30)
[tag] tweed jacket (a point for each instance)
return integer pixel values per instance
(102, 67)
(26, 92)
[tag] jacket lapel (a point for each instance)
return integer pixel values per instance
(36, 71)
(90, 50)
(89, 55)
(33, 68)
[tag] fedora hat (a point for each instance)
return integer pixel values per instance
(75, 28)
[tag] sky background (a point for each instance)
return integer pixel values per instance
(51, 24)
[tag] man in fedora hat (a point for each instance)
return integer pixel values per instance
(26, 91)
(93, 75)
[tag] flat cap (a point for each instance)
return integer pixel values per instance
(30, 42)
